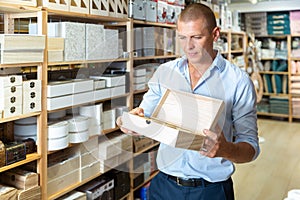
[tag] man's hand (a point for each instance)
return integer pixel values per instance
(136, 111)
(216, 145)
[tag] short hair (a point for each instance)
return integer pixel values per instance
(195, 11)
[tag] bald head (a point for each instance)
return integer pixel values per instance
(197, 11)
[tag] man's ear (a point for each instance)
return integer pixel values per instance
(216, 33)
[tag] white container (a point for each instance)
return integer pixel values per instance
(78, 124)
(58, 143)
(58, 129)
(79, 137)
(25, 129)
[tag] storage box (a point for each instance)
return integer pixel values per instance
(137, 9)
(178, 120)
(20, 179)
(15, 151)
(63, 174)
(109, 148)
(90, 170)
(32, 96)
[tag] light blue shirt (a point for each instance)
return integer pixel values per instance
(222, 80)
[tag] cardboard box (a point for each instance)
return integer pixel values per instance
(178, 120)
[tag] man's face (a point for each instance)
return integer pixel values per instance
(196, 40)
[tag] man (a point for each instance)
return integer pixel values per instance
(186, 174)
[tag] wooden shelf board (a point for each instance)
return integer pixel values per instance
(89, 103)
(84, 17)
(272, 72)
(272, 59)
(88, 61)
(272, 114)
(14, 8)
(19, 65)
(154, 24)
(155, 57)
(72, 187)
(140, 91)
(274, 94)
(295, 58)
(19, 117)
(146, 181)
(107, 131)
(237, 51)
(29, 158)
(146, 149)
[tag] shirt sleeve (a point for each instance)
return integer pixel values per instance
(245, 115)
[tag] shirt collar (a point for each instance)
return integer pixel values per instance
(219, 63)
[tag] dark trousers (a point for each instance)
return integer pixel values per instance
(163, 188)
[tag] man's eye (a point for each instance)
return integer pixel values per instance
(181, 37)
(197, 37)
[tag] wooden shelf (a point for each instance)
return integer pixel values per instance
(83, 17)
(145, 23)
(155, 57)
(272, 72)
(276, 94)
(72, 187)
(20, 65)
(273, 114)
(89, 61)
(147, 180)
(140, 91)
(146, 149)
(237, 51)
(29, 158)
(265, 59)
(19, 117)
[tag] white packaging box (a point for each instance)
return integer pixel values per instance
(108, 148)
(109, 115)
(139, 86)
(138, 41)
(11, 80)
(111, 44)
(89, 157)
(10, 96)
(102, 94)
(162, 8)
(148, 41)
(118, 91)
(32, 96)
(94, 112)
(12, 111)
(74, 35)
(59, 88)
(59, 102)
(20, 42)
(55, 144)
(136, 9)
(82, 98)
(99, 84)
(108, 164)
(95, 43)
(151, 11)
(63, 174)
(24, 56)
(55, 43)
(178, 120)
(88, 146)
(95, 130)
(54, 29)
(73, 195)
(55, 55)
(139, 79)
(171, 16)
(139, 72)
(111, 80)
(90, 170)
(82, 85)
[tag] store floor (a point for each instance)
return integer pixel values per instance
(277, 169)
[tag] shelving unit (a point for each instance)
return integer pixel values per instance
(42, 16)
(234, 47)
(274, 70)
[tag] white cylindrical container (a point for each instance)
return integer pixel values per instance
(79, 137)
(58, 143)
(78, 124)
(58, 129)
